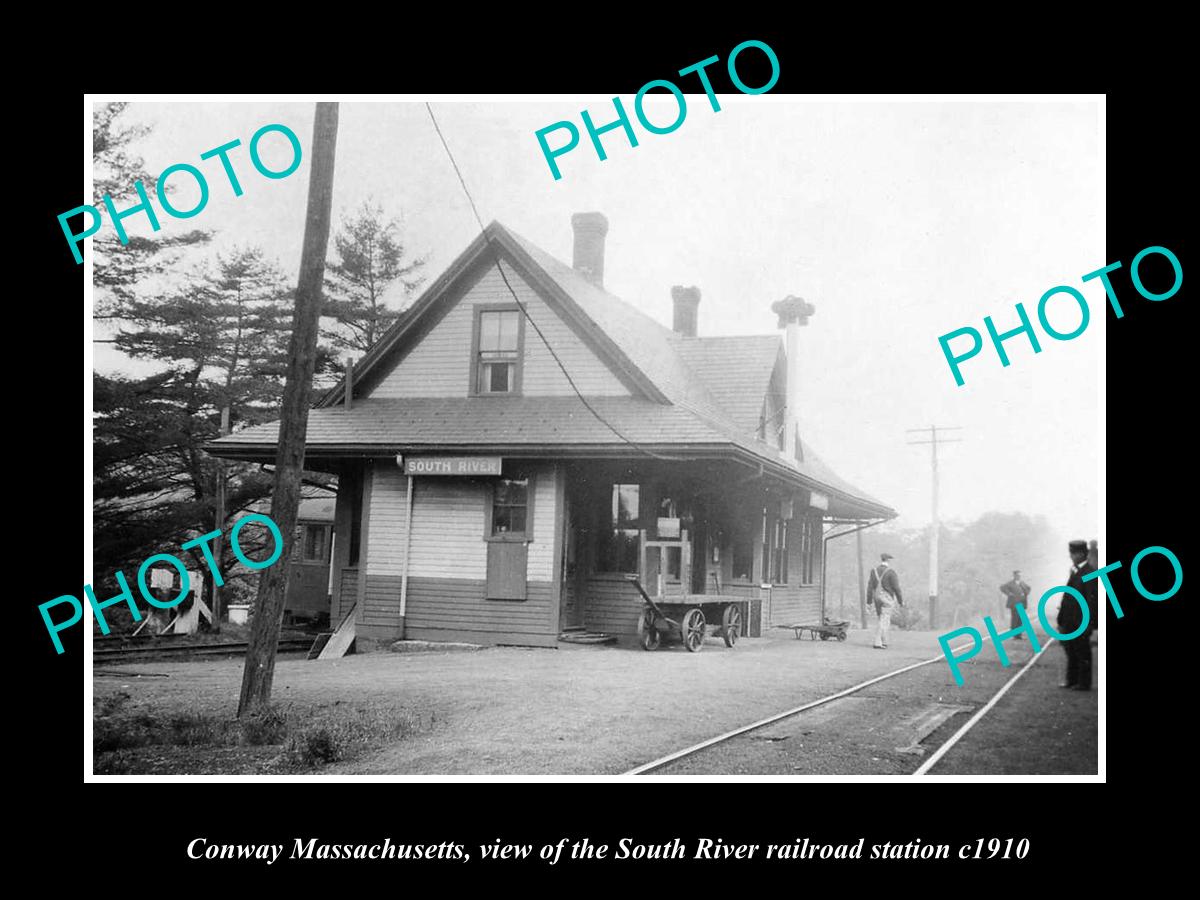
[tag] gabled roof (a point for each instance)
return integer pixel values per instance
(571, 300)
(650, 345)
(737, 371)
(698, 394)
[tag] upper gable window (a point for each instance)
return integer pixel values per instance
(500, 335)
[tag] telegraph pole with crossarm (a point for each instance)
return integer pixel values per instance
(933, 442)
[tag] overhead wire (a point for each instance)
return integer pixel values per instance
(529, 318)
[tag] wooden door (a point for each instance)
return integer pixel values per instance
(308, 582)
(507, 567)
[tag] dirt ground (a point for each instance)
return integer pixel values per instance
(891, 728)
(1036, 728)
(574, 710)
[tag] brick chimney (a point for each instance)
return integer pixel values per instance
(687, 301)
(590, 229)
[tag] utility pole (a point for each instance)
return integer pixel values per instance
(293, 421)
(220, 524)
(933, 442)
(841, 596)
(862, 587)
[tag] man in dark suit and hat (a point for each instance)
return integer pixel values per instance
(1070, 616)
(883, 589)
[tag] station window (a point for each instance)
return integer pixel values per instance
(810, 542)
(780, 570)
(498, 336)
(742, 561)
(618, 550)
(778, 542)
(510, 508)
(766, 545)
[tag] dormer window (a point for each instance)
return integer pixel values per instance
(499, 338)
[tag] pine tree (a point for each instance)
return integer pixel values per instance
(119, 268)
(144, 498)
(230, 321)
(223, 338)
(370, 259)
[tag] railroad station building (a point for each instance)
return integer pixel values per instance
(521, 442)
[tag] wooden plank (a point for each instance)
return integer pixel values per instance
(924, 723)
(341, 640)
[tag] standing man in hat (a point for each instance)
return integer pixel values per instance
(883, 589)
(1015, 593)
(1070, 617)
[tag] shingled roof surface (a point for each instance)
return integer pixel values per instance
(737, 371)
(715, 387)
(649, 344)
(483, 421)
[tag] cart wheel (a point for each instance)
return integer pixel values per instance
(731, 624)
(647, 633)
(694, 629)
(824, 635)
(841, 635)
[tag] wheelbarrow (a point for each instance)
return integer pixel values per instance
(826, 631)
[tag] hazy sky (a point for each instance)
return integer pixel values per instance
(899, 221)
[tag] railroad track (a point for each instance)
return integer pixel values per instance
(930, 761)
(160, 651)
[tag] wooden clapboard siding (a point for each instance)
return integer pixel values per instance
(385, 550)
(751, 594)
(348, 594)
(611, 605)
(381, 600)
(541, 550)
(447, 529)
(487, 638)
(449, 516)
(791, 604)
(438, 607)
(440, 364)
(341, 544)
(795, 603)
(570, 615)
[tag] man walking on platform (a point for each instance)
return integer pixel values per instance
(883, 589)
(1015, 593)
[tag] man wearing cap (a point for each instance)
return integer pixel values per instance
(883, 589)
(1070, 617)
(1015, 593)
